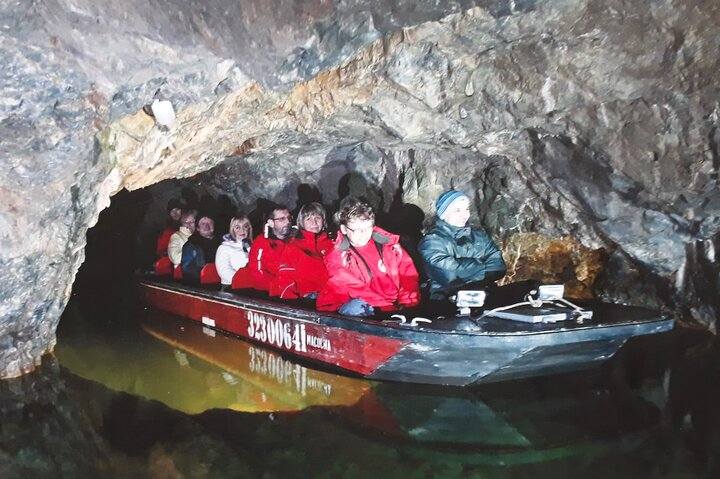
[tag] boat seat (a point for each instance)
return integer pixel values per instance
(177, 273)
(242, 279)
(209, 274)
(163, 267)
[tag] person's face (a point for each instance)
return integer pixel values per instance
(240, 230)
(358, 231)
(206, 227)
(313, 223)
(175, 214)
(280, 223)
(189, 223)
(458, 213)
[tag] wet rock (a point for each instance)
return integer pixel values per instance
(553, 261)
(45, 434)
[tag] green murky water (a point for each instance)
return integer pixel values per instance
(136, 393)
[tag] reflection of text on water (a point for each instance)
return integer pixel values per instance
(286, 373)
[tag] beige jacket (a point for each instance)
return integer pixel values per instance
(177, 241)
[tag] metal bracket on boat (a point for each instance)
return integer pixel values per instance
(582, 314)
(547, 294)
(414, 322)
(553, 294)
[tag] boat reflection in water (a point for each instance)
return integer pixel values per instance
(252, 378)
(511, 423)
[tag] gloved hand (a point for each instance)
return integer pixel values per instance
(356, 307)
(312, 295)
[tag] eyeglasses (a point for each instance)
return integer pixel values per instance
(362, 230)
(189, 222)
(283, 218)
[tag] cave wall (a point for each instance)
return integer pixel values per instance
(595, 121)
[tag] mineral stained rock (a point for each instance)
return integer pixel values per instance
(594, 122)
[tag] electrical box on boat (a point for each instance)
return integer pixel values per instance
(530, 314)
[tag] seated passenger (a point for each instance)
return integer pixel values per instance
(455, 254)
(233, 252)
(367, 268)
(172, 225)
(178, 239)
(302, 270)
(199, 250)
(267, 250)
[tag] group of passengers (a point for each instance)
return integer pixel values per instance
(362, 270)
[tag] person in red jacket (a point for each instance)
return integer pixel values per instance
(302, 270)
(265, 252)
(368, 268)
(174, 209)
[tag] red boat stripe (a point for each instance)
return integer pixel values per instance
(347, 349)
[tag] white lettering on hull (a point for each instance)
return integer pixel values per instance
(282, 334)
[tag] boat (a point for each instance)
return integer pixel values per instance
(524, 422)
(467, 349)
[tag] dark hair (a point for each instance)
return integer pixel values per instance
(352, 208)
(174, 203)
(275, 207)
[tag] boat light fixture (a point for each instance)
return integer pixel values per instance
(551, 292)
(466, 299)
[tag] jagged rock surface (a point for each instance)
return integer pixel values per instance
(595, 121)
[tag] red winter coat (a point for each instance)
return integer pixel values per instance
(302, 267)
(350, 279)
(264, 262)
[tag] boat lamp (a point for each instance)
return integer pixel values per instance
(551, 292)
(466, 299)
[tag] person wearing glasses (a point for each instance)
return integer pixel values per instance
(199, 250)
(302, 270)
(266, 252)
(368, 269)
(180, 237)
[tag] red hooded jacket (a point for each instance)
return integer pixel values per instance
(263, 264)
(302, 267)
(353, 278)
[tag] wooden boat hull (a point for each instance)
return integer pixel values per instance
(459, 351)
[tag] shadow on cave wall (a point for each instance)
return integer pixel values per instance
(124, 239)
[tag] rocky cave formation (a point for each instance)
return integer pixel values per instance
(586, 131)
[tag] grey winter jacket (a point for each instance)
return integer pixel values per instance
(455, 256)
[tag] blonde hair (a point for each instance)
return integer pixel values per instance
(308, 210)
(241, 220)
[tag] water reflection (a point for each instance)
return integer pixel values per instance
(167, 398)
(194, 369)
